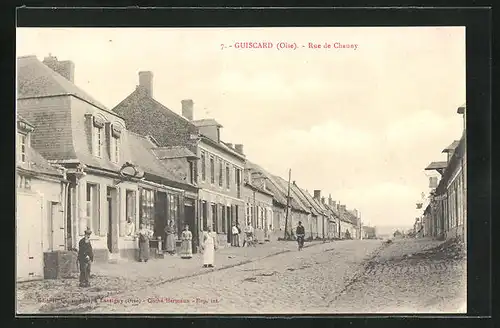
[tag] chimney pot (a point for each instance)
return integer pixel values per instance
(187, 109)
(317, 194)
(239, 148)
(64, 68)
(146, 82)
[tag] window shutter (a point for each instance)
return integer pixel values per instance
(89, 131)
(181, 215)
(107, 141)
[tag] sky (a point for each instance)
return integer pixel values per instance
(360, 124)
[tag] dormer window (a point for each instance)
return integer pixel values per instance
(98, 136)
(115, 143)
(22, 146)
(98, 141)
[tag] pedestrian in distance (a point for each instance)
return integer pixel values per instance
(85, 258)
(235, 241)
(144, 235)
(210, 245)
(300, 232)
(186, 244)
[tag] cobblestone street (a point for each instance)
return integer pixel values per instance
(306, 281)
(402, 279)
(355, 276)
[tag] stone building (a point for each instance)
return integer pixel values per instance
(217, 172)
(258, 203)
(92, 143)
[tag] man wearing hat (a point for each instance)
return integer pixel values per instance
(85, 257)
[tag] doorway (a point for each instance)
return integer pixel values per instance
(160, 219)
(229, 224)
(111, 198)
(190, 220)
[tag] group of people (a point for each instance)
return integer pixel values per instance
(249, 237)
(210, 244)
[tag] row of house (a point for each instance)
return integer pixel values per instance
(81, 165)
(445, 211)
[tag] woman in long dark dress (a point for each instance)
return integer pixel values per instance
(170, 240)
(144, 236)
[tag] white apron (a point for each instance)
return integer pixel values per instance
(209, 249)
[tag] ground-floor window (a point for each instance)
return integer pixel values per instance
(204, 216)
(130, 208)
(223, 219)
(92, 208)
(215, 226)
(147, 206)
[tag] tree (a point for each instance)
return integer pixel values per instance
(397, 233)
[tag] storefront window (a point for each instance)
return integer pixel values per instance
(147, 206)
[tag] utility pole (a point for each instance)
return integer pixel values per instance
(287, 202)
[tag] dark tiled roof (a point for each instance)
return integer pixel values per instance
(314, 203)
(35, 79)
(303, 199)
(144, 157)
(146, 116)
(36, 163)
(25, 121)
(451, 147)
(206, 122)
(173, 152)
(436, 165)
(278, 192)
(295, 199)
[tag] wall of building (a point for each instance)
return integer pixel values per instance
(226, 159)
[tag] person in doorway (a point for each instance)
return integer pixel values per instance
(130, 227)
(268, 233)
(170, 238)
(210, 245)
(186, 245)
(85, 258)
(235, 241)
(144, 235)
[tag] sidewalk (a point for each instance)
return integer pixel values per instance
(173, 267)
(58, 296)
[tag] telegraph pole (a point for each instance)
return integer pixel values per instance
(287, 202)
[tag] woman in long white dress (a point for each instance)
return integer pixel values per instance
(186, 247)
(210, 245)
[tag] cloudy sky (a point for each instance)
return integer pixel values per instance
(357, 124)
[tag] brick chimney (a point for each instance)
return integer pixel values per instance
(239, 148)
(187, 109)
(64, 68)
(322, 200)
(342, 207)
(230, 145)
(146, 82)
(317, 195)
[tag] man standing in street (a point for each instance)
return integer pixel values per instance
(236, 236)
(85, 257)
